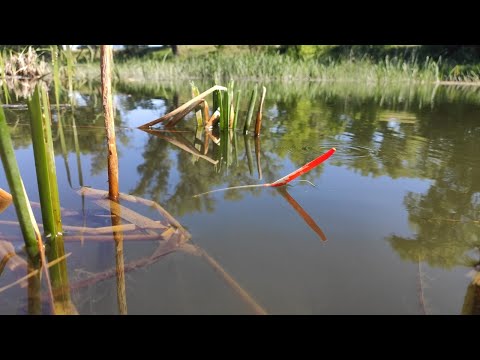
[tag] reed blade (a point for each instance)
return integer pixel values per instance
(237, 109)
(251, 107)
(258, 123)
(45, 162)
(4, 81)
(20, 199)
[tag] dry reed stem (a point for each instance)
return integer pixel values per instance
(183, 107)
(5, 200)
(175, 119)
(106, 71)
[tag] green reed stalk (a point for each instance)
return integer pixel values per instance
(216, 100)
(51, 203)
(77, 151)
(237, 109)
(20, 198)
(251, 107)
(58, 88)
(70, 69)
(221, 99)
(45, 162)
(225, 110)
(34, 290)
(4, 81)
(56, 77)
(230, 104)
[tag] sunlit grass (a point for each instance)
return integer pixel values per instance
(265, 66)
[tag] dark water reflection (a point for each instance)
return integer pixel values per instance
(398, 204)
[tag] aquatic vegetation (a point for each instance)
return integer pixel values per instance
(26, 65)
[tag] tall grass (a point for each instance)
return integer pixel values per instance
(264, 66)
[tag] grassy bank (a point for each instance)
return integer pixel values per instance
(223, 65)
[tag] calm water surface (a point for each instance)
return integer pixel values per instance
(390, 227)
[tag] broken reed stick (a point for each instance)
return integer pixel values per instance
(8, 255)
(81, 237)
(284, 180)
(258, 123)
(5, 200)
(206, 113)
(244, 295)
(164, 249)
(214, 118)
(175, 119)
(35, 272)
(135, 199)
(83, 229)
(183, 107)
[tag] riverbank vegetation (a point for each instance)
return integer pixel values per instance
(364, 63)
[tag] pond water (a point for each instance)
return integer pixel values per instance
(391, 225)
